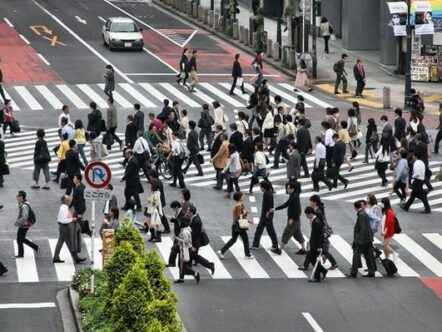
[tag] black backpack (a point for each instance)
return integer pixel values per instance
(397, 227)
(336, 67)
(32, 219)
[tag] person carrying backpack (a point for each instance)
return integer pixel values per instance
(25, 219)
(388, 228)
(341, 74)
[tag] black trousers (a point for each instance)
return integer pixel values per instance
(144, 165)
(177, 172)
(381, 168)
(111, 131)
(304, 165)
(326, 40)
(399, 189)
(338, 176)
(165, 223)
(235, 79)
(237, 231)
(418, 192)
(281, 148)
(70, 185)
(200, 259)
(206, 132)
(232, 181)
(437, 141)
(367, 251)
(130, 192)
(193, 158)
(174, 252)
(329, 155)
(312, 257)
(266, 223)
(360, 84)
(319, 176)
(21, 239)
(185, 268)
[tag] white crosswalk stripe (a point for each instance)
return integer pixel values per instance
(414, 261)
(149, 95)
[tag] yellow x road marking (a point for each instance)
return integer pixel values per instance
(54, 41)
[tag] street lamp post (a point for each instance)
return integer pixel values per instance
(314, 69)
(408, 56)
(279, 25)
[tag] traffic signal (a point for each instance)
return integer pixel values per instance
(235, 7)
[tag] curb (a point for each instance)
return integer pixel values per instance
(68, 319)
(76, 314)
(273, 64)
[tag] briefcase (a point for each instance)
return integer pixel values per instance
(84, 225)
(389, 267)
(200, 158)
(4, 169)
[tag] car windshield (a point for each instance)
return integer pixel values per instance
(124, 27)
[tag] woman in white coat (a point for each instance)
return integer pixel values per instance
(154, 211)
(219, 116)
(268, 128)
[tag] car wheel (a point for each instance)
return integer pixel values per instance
(104, 40)
(140, 49)
(110, 46)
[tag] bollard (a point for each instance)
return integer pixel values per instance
(241, 34)
(386, 97)
(195, 10)
(200, 13)
(210, 18)
(189, 8)
(275, 52)
(246, 36)
(235, 30)
(254, 40)
(205, 16)
(291, 59)
(221, 24)
(269, 47)
(216, 21)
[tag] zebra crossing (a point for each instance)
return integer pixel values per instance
(363, 178)
(148, 95)
(419, 255)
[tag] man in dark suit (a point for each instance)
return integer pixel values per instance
(304, 145)
(132, 178)
(400, 125)
(194, 148)
(130, 135)
(179, 214)
(94, 119)
(248, 149)
(196, 226)
(78, 202)
(359, 74)
(236, 74)
(216, 141)
(362, 243)
(139, 117)
(236, 137)
(2, 159)
(73, 165)
(337, 160)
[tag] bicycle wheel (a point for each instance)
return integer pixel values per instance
(164, 169)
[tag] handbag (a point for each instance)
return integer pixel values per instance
(239, 81)
(4, 169)
(64, 183)
(84, 226)
(200, 158)
(186, 255)
(225, 118)
(183, 75)
(204, 238)
(243, 223)
(155, 218)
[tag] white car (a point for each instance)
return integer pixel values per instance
(122, 33)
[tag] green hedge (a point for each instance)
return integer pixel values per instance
(132, 294)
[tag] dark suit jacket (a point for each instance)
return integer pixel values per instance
(78, 201)
(215, 146)
(131, 175)
(2, 152)
(176, 221)
(304, 140)
(196, 225)
(399, 128)
(387, 131)
(248, 150)
(236, 138)
(139, 120)
(339, 153)
(362, 233)
(131, 134)
(236, 70)
(192, 141)
(73, 163)
(317, 235)
(94, 121)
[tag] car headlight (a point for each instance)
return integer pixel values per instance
(139, 40)
(115, 40)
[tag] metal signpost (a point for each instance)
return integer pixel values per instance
(97, 175)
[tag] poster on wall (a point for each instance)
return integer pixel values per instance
(436, 6)
(423, 18)
(398, 11)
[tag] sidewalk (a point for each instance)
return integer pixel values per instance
(378, 76)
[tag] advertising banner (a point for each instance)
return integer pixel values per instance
(423, 18)
(398, 11)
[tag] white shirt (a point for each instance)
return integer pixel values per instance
(319, 153)
(260, 160)
(328, 140)
(419, 170)
(69, 130)
(64, 216)
(63, 115)
(177, 146)
(140, 146)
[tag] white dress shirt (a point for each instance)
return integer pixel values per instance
(419, 170)
(69, 130)
(328, 140)
(64, 215)
(140, 146)
(177, 146)
(64, 115)
(319, 153)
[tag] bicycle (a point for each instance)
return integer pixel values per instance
(162, 164)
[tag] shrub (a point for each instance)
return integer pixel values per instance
(159, 284)
(130, 309)
(165, 312)
(121, 262)
(80, 281)
(128, 232)
(95, 316)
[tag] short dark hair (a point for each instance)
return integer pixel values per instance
(205, 106)
(216, 104)
(155, 184)
(192, 124)
(357, 204)
(237, 196)
(186, 194)
(309, 210)
(93, 105)
(64, 120)
(41, 133)
(265, 185)
(175, 204)
(166, 102)
(398, 111)
(344, 55)
(110, 100)
(137, 106)
(315, 199)
(278, 98)
(384, 117)
(22, 194)
(192, 208)
(79, 176)
(233, 126)
(72, 143)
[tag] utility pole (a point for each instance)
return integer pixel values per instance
(279, 25)
(315, 62)
(408, 56)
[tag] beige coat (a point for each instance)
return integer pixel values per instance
(221, 158)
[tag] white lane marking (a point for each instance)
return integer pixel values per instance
(435, 238)
(153, 91)
(345, 250)
(49, 96)
(28, 98)
(101, 19)
(161, 60)
(251, 266)
(306, 96)
(118, 98)
(73, 98)
(255, 220)
(220, 270)
(207, 99)
(252, 199)
(137, 95)
(420, 253)
(65, 271)
(403, 269)
(177, 93)
(164, 248)
(101, 57)
(150, 74)
(222, 95)
(142, 22)
(98, 244)
(92, 95)
(27, 305)
(46, 62)
(285, 263)
(254, 209)
(190, 38)
(309, 318)
(8, 22)
(24, 39)
(13, 103)
(26, 266)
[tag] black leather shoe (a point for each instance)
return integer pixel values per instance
(57, 261)
(79, 260)
(178, 281)
(212, 268)
(369, 275)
